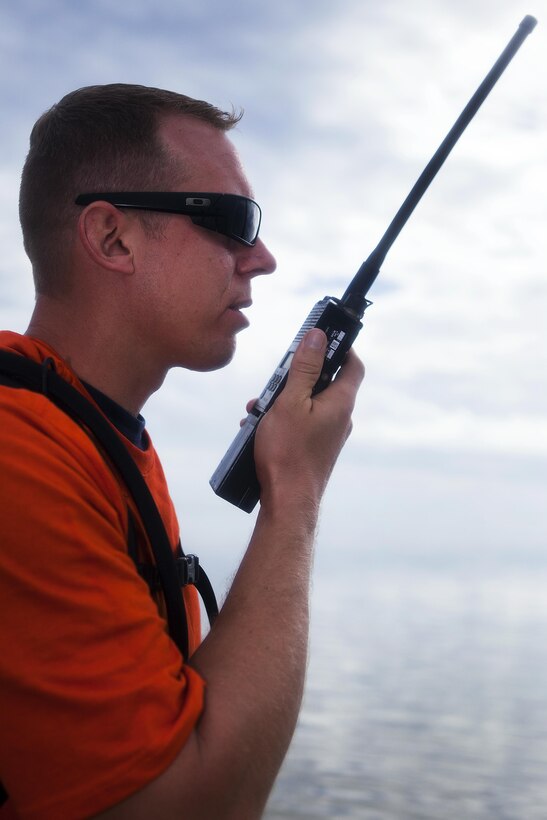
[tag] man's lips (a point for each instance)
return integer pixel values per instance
(241, 304)
(235, 310)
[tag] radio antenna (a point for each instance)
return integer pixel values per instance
(354, 298)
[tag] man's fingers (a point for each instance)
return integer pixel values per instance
(352, 371)
(248, 407)
(307, 364)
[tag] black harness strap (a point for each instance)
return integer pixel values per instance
(170, 571)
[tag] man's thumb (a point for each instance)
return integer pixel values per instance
(308, 361)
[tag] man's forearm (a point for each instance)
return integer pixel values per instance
(254, 661)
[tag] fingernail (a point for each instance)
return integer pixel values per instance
(314, 339)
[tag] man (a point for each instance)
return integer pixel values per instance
(101, 716)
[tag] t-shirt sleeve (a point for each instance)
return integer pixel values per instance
(96, 700)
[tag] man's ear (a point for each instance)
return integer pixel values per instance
(105, 233)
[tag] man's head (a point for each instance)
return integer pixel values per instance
(99, 138)
(153, 290)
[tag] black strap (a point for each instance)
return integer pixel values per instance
(187, 567)
(21, 372)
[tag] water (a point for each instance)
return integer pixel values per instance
(426, 698)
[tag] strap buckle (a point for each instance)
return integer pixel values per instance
(187, 569)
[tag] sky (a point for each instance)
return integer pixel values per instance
(345, 102)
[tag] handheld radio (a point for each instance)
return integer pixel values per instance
(235, 477)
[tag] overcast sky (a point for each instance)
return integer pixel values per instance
(345, 101)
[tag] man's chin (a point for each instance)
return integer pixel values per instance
(212, 361)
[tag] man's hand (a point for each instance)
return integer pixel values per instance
(300, 437)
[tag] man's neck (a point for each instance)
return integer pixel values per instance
(98, 355)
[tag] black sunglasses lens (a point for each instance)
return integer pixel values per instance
(253, 221)
(245, 219)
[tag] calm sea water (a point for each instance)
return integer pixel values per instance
(426, 698)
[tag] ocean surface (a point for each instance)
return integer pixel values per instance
(426, 698)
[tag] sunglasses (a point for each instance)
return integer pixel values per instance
(237, 217)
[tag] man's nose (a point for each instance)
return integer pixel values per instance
(257, 260)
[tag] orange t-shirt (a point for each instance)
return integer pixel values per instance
(96, 700)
